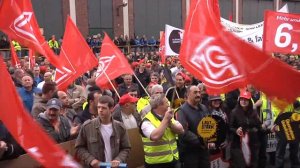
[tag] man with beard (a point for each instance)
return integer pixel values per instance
(194, 152)
(56, 125)
(66, 109)
(77, 96)
(90, 110)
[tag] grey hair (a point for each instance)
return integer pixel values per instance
(155, 88)
(156, 100)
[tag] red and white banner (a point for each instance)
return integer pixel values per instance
(281, 33)
(224, 62)
(252, 33)
(25, 130)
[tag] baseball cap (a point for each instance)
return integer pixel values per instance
(245, 94)
(127, 99)
(54, 103)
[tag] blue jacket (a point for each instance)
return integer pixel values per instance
(27, 97)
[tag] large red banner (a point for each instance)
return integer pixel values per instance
(281, 32)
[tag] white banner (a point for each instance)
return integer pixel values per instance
(272, 142)
(217, 162)
(250, 33)
(173, 40)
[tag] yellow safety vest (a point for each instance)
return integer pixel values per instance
(268, 105)
(53, 44)
(142, 102)
(16, 45)
(162, 151)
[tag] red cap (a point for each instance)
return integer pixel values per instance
(245, 94)
(152, 84)
(127, 99)
(148, 65)
(134, 64)
(142, 61)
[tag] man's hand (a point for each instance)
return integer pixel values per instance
(169, 115)
(95, 163)
(239, 131)
(275, 128)
(74, 130)
(211, 146)
(115, 163)
(3, 145)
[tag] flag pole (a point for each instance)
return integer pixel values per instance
(111, 83)
(141, 84)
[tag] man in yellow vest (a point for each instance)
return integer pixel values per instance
(17, 47)
(159, 131)
(53, 44)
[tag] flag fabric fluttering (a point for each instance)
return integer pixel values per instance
(112, 63)
(20, 124)
(224, 62)
(162, 49)
(77, 60)
(19, 23)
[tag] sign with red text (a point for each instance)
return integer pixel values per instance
(281, 32)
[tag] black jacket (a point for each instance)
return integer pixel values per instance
(248, 120)
(13, 148)
(189, 117)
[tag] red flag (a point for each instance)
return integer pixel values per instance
(31, 58)
(281, 32)
(18, 21)
(77, 59)
(162, 48)
(21, 125)
(112, 63)
(223, 62)
(14, 58)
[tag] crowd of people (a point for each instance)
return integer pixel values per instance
(164, 101)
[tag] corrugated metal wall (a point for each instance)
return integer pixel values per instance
(100, 16)
(150, 16)
(49, 16)
(226, 9)
(294, 7)
(253, 10)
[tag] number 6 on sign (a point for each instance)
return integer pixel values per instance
(280, 34)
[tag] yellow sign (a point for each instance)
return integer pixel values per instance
(207, 127)
(295, 117)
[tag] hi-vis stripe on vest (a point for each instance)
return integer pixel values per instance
(162, 151)
(268, 106)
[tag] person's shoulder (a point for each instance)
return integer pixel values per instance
(87, 123)
(118, 124)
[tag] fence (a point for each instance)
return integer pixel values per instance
(135, 160)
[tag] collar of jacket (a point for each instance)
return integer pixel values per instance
(97, 125)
